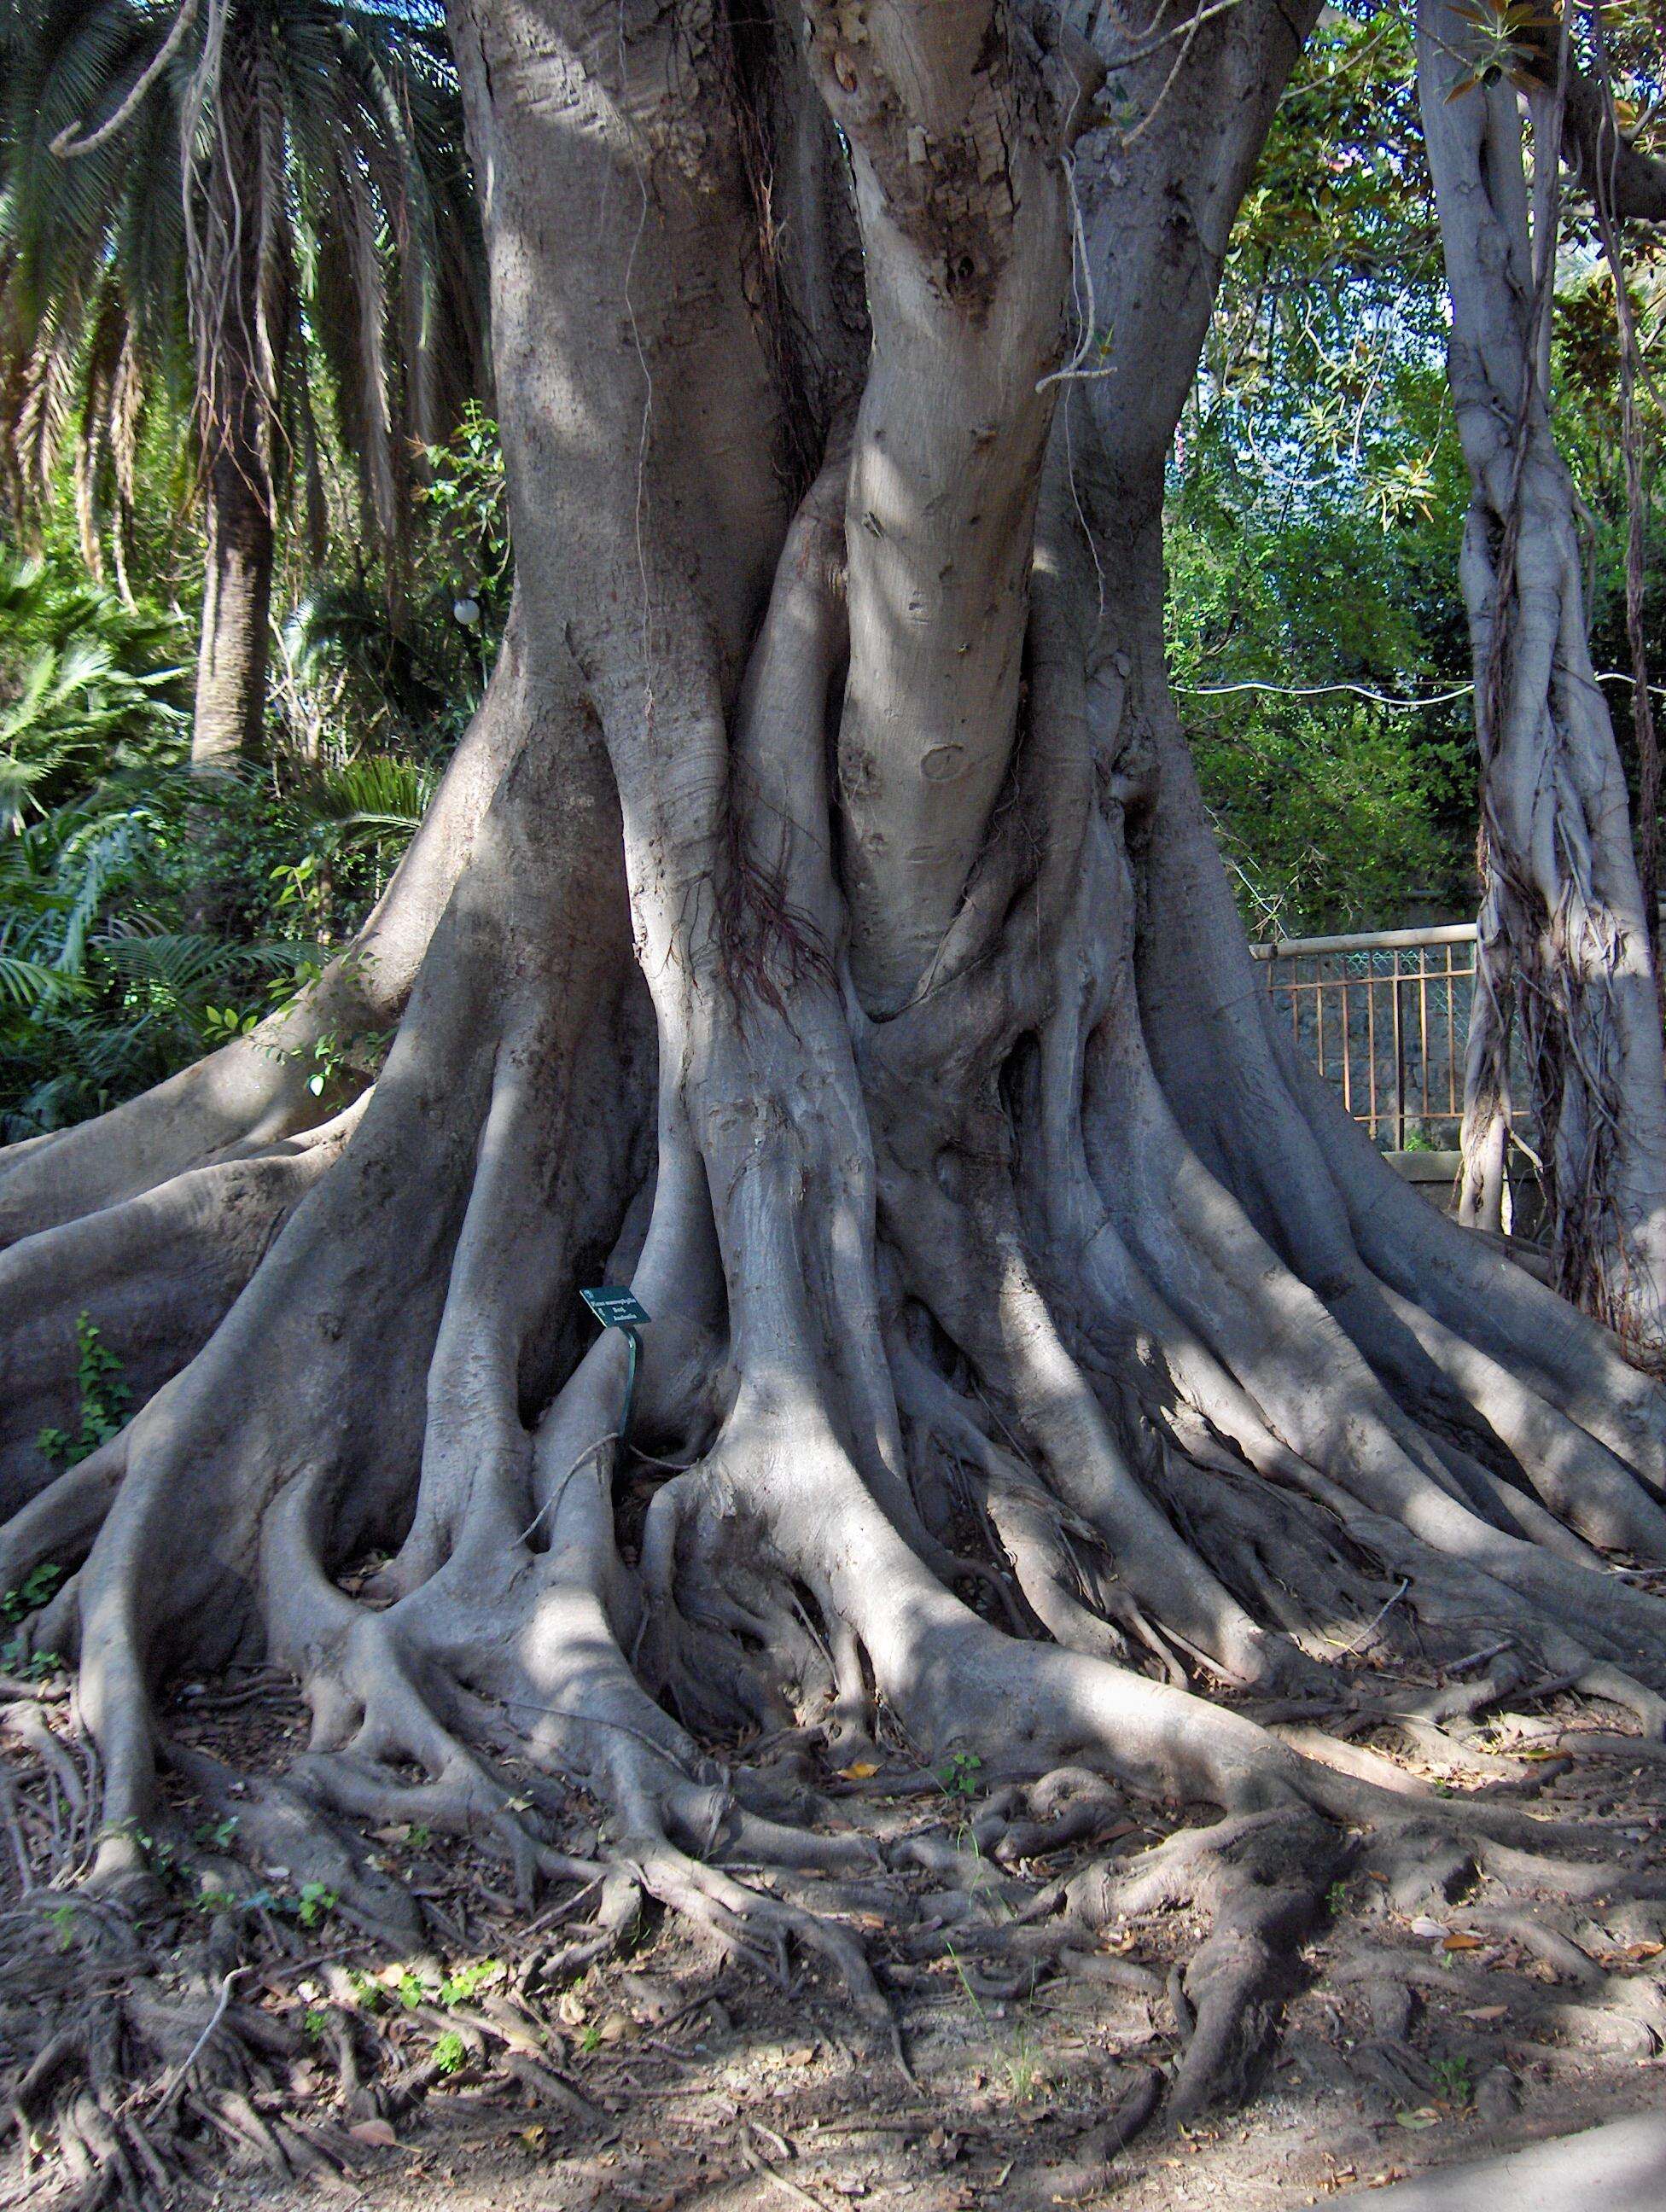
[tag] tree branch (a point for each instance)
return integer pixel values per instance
(1630, 183)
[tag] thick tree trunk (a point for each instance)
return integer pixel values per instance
(238, 356)
(1565, 956)
(821, 932)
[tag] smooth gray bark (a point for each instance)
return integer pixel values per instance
(965, 1178)
(1565, 953)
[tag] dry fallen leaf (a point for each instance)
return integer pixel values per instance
(374, 2132)
(1486, 2012)
(1425, 2117)
(1644, 1950)
(1461, 1940)
(859, 1770)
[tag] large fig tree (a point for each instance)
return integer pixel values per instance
(820, 932)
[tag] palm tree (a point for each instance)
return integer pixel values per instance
(261, 209)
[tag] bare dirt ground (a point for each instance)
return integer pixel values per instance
(766, 2105)
(488, 2072)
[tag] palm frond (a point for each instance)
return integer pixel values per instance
(371, 797)
(26, 984)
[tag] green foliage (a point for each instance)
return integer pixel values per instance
(1315, 506)
(1318, 496)
(959, 1776)
(146, 915)
(33, 1592)
(86, 687)
(365, 675)
(315, 1902)
(459, 1987)
(449, 2051)
(467, 497)
(1453, 2080)
(105, 1398)
(1504, 38)
(107, 970)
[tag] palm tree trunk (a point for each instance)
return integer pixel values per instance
(231, 670)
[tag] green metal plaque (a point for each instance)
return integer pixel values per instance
(614, 1308)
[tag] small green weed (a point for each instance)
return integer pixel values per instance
(462, 1985)
(33, 1592)
(449, 2051)
(1020, 2052)
(1452, 2080)
(959, 1776)
(1022, 2066)
(105, 1398)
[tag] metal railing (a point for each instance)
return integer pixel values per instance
(1385, 1017)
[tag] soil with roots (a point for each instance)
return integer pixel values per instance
(1083, 1532)
(267, 2047)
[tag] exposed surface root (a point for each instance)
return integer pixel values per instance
(268, 2001)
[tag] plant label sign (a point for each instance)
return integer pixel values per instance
(614, 1308)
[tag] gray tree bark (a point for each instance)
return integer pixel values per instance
(821, 932)
(1565, 955)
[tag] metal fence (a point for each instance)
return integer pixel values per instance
(1385, 1017)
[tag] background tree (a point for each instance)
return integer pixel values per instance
(1565, 948)
(820, 929)
(259, 208)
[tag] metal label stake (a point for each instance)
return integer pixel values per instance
(614, 1308)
